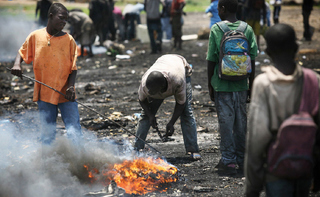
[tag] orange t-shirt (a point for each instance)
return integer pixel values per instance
(52, 64)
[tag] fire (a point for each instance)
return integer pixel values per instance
(139, 176)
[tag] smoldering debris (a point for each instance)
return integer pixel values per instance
(30, 169)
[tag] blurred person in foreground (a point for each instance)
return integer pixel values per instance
(276, 95)
(169, 76)
(53, 54)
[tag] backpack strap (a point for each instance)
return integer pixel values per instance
(223, 26)
(242, 27)
(310, 92)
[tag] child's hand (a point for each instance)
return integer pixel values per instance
(70, 94)
(16, 70)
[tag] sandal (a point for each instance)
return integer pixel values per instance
(195, 156)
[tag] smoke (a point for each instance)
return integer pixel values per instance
(13, 33)
(31, 169)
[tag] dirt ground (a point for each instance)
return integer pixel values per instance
(108, 84)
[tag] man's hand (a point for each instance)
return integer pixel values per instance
(70, 94)
(169, 129)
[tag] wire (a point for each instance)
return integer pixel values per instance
(87, 107)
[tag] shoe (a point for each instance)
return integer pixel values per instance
(226, 170)
(195, 156)
(240, 171)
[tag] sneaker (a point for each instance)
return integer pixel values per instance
(228, 170)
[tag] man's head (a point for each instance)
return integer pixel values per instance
(281, 41)
(156, 83)
(227, 7)
(58, 16)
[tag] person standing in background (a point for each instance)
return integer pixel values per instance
(276, 11)
(43, 6)
(165, 19)
(131, 15)
(212, 11)
(307, 7)
(176, 22)
(152, 8)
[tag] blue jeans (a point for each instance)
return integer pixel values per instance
(188, 123)
(232, 117)
(48, 117)
(288, 188)
(166, 27)
(154, 25)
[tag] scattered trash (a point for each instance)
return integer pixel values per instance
(198, 87)
(123, 56)
(195, 55)
(129, 52)
(300, 63)
(257, 63)
(304, 57)
(112, 67)
(266, 61)
(262, 53)
(137, 115)
(200, 44)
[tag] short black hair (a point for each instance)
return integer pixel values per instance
(56, 7)
(230, 5)
(280, 38)
(155, 79)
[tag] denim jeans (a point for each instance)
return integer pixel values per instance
(129, 24)
(48, 117)
(288, 188)
(232, 117)
(188, 123)
(166, 27)
(154, 25)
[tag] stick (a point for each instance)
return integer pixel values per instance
(32, 79)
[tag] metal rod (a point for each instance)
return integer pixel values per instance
(32, 79)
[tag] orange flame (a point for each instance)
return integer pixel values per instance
(140, 176)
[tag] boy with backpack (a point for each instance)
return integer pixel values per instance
(283, 131)
(228, 74)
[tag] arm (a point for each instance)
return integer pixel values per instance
(145, 106)
(178, 109)
(210, 70)
(70, 92)
(251, 78)
(17, 69)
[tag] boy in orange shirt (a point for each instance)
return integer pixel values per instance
(53, 53)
